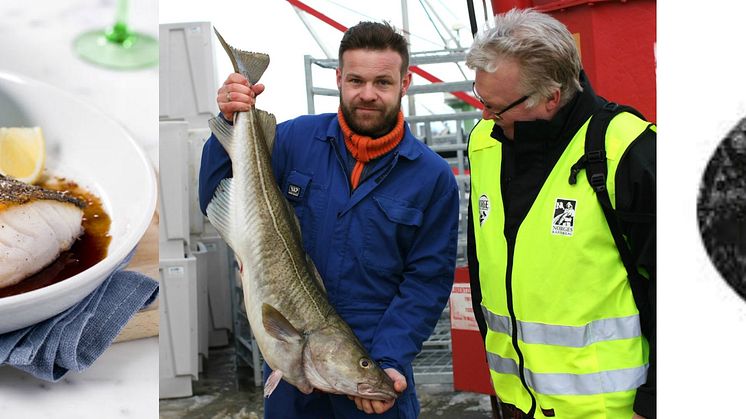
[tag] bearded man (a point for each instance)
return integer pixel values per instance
(378, 212)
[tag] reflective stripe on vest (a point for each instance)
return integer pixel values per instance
(577, 326)
(575, 384)
(573, 336)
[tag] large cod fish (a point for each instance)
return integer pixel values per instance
(301, 337)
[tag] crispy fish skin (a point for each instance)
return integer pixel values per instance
(302, 338)
(14, 192)
(36, 225)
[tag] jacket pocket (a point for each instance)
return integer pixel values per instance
(295, 186)
(399, 212)
(389, 232)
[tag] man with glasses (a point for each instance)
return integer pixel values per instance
(564, 335)
(488, 109)
(378, 212)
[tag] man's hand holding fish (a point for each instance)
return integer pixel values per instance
(237, 95)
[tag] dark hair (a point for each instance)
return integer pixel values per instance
(375, 36)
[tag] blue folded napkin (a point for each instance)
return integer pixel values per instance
(75, 338)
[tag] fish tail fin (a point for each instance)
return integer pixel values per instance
(250, 64)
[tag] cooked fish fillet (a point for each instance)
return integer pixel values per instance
(36, 225)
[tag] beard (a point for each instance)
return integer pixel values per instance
(373, 126)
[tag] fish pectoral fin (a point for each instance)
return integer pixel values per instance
(278, 326)
(223, 132)
(272, 381)
(219, 211)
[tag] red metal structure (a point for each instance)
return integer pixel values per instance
(617, 44)
(470, 371)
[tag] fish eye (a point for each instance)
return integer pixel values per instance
(365, 363)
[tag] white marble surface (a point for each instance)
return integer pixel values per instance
(122, 383)
(36, 41)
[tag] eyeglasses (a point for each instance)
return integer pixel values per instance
(497, 114)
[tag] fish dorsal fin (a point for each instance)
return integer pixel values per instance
(218, 210)
(250, 64)
(223, 132)
(278, 326)
(268, 124)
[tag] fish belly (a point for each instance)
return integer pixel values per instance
(285, 356)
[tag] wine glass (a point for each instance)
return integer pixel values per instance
(117, 46)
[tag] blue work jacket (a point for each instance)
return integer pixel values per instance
(386, 250)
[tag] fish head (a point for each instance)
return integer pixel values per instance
(334, 361)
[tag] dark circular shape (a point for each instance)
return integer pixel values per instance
(721, 208)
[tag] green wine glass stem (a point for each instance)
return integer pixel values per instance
(119, 32)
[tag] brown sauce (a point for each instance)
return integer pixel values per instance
(88, 250)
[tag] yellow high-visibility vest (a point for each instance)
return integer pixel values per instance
(558, 296)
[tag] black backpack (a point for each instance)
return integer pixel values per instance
(594, 163)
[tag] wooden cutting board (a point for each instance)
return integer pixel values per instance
(145, 322)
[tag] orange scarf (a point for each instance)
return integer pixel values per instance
(364, 149)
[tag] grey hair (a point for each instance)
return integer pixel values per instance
(543, 48)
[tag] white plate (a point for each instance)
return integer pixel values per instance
(84, 145)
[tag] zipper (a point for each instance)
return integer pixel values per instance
(388, 168)
(514, 323)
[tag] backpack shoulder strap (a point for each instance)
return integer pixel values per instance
(594, 162)
(596, 172)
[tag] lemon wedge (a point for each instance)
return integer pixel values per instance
(22, 153)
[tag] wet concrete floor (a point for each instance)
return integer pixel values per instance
(219, 395)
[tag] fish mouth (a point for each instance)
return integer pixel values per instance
(376, 393)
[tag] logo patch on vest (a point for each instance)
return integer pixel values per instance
(294, 190)
(563, 221)
(484, 209)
